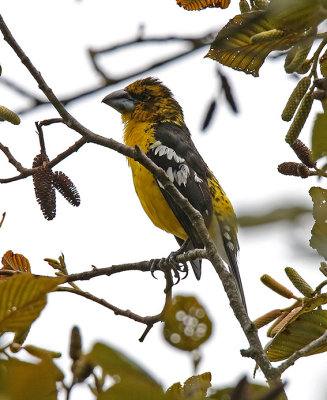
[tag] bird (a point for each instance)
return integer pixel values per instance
(154, 121)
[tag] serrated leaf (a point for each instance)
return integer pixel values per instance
(305, 329)
(30, 381)
(22, 298)
(318, 239)
(233, 45)
(319, 137)
(196, 5)
(113, 362)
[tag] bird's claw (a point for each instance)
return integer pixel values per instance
(169, 262)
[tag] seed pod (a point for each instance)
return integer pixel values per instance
(276, 287)
(323, 64)
(297, 280)
(295, 98)
(267, 318)
(299, 119)
(266, 36)
(66, 187)
(244, 6)
(303, 153)
(8, 115)
(75, 348)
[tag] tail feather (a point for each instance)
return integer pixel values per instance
(233, 267)
(196, 264)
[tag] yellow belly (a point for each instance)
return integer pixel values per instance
(153, 202)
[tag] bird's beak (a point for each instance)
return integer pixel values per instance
(120, 100)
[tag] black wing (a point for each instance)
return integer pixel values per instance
(175, 152)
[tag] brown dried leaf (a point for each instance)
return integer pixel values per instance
(196, 5)
(15, 262)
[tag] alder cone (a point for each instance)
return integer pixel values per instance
(44, 191)
(66, 187)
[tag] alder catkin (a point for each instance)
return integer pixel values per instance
(294, 169)
(296, 96)
(266, 36)
(297, 280)
(304, 153)
(299, 119)
(276, 286)
(8, 115)
(267, 318)
(66, 188)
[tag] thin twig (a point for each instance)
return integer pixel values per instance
(125, 313)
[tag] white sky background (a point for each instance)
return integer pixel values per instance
(110, 226)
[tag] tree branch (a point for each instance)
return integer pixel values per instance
(193, 43)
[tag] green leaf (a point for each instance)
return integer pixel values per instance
(318, 239)
(133, 388)
(29, 381)
(113, 362)
(305, 329)
(250, 390)
(244, 43)
(319, 137)
(22, 298)
(233, 45)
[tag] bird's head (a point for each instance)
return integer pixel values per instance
(145, 100)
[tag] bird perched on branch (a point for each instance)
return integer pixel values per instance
(153, 120)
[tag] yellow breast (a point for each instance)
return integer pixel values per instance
(147, 189)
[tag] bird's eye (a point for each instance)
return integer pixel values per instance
(141, 96)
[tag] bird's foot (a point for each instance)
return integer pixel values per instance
(170, 262)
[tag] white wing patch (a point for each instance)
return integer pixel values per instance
(182, 175)
(179, 176)
(170, 174)
(161, 150)
(197, 178)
